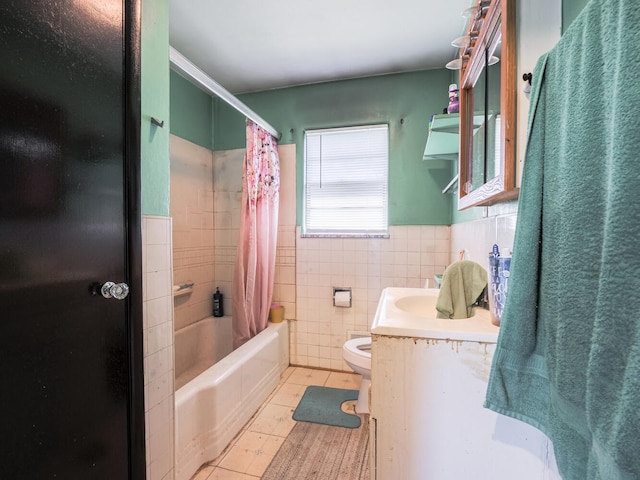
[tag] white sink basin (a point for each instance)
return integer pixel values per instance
(411, 312)
(421, 305)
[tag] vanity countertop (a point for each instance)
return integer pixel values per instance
(401, 313)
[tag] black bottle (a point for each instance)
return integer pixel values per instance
(218, 308)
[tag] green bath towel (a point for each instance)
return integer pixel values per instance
(462, 284)
(568, 354)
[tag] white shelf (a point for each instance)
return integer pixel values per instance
(442, 142)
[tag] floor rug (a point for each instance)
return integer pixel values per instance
(322, 405)
(322, 452)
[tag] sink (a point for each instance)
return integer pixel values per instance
(421, 305)
(411, 312)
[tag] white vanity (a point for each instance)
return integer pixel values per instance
(428, 383)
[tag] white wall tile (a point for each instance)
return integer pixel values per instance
(158, 310)
(158, 342)
(365, 265)
(476, 238)
(159, 337)
(192, 209)
(160, 389)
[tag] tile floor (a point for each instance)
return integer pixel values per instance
(249, 454)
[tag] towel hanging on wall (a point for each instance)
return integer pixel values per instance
(568, 354)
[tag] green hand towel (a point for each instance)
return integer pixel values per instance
(462, 284)
(568, 353)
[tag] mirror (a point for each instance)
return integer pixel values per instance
(486, 166)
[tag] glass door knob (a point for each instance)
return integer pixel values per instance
(119, 291)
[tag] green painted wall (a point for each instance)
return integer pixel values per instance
(404, 101)
(191, 112)
(461, 216)
(414, 184)
(155, 103)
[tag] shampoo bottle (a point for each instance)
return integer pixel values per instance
(218, 308)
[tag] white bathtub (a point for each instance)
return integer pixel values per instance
(200, 345)
(213, 407)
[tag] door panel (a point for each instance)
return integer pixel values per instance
(65, 352)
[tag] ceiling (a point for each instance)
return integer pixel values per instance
(247, 45)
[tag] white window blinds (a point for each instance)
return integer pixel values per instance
(346, 181)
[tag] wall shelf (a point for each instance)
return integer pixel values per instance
(443, 141)
(443, 138)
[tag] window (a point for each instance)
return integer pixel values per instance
(346, 181)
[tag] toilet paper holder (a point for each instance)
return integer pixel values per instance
(342, 297)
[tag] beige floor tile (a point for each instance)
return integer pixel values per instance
(274, 420)
(252, 454)
(269, 449)
(203, 474)
(286, 374)
(348, 381)
(288, 395)
(223, 474)
(308, 376)
(269, 398)
(215, 462)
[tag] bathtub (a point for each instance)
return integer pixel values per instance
(200, 345)
(212, 408)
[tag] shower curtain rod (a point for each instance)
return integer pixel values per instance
(184, 67)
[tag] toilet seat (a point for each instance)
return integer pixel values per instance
(358, 352)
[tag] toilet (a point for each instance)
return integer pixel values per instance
(357, 353)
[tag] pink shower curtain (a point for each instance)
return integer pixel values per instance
(256, 257)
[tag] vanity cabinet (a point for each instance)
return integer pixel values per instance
(427, 418)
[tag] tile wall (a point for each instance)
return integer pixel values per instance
(410, 256)
(158, 346)
(193, 229)
(284, 289)
(477, 237)
(206, 195)
(227, 198)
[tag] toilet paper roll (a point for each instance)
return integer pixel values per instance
(342, 299)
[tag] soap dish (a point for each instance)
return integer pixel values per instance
(182, 289)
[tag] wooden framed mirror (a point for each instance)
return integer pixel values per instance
(487, 166)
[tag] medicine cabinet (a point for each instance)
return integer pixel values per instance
(487, 152)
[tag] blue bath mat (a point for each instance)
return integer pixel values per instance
(322, 405)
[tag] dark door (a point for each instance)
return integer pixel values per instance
(71, 394)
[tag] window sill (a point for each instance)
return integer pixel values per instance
(344, 235)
